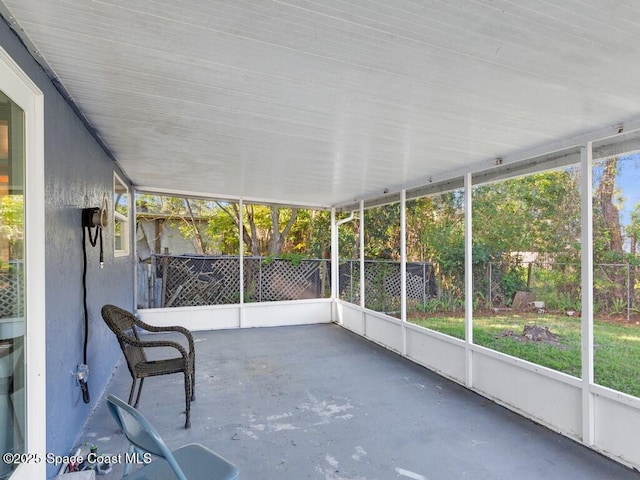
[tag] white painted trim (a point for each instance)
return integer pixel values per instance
(403, 268)
(259, 314)
(125, 252)
(586, 189)
(616, 396)
(19, 87)
(230, 198)
(134, 249)
(334, 255)
(363, 290)
(468, 277)
(241, 254)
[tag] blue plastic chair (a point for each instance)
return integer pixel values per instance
(193, 461)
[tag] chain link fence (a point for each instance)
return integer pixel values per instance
(558, 286)
(383, 283)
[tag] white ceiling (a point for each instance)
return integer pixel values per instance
(323, 102)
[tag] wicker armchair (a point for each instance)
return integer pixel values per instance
(125, 325)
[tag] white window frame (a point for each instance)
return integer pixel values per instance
(18, 86)
(123, 220)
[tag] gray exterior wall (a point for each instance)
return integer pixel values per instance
(77, 175)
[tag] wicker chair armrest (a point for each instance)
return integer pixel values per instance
(156, 343)
(172, 328)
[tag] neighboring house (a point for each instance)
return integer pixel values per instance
(160, 234)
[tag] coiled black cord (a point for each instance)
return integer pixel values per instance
(84, 386)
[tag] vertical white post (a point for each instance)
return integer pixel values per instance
(362, 277)
(468, 279)
(17, 86)
(334, 256)
(134, 249)
(403, 267)
(586, 174)
(241, 257)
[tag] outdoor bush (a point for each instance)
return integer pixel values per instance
(479, 300)
(512, 282)
(617, 307)
(430, 306)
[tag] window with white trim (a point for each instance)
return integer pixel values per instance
(121, 215)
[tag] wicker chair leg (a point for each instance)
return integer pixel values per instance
(139, 392)
(187, 395)
(193, 384)
(133, 389)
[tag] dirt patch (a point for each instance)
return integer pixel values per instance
(534, 333)
(633, 320)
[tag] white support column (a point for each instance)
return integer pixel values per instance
(403, 267)
(241, 257)
(362, 277)
(134, 249)
(586, 175)
(334, 256)
(468, 279)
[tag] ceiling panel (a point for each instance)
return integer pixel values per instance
(327, 102)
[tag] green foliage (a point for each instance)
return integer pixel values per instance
(479, 300)
(512, 282)
(348, 236)
(617, 307)
(560, 301)
(293, 258)
(430, 306)
(539, 212)
(267, 230)
(446, 303)
(382, 232)
(12, 223)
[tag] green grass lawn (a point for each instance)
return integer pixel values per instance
(617, 345)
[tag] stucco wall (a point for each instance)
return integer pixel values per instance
(77, 175)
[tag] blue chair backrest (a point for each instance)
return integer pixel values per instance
(140, 432)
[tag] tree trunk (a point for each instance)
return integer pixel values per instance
(279, 237)
(196, 231)
(251, 237)
(610, 214)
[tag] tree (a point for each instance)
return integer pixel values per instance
(633, 231)
(277, 236)
(12, 224)
(263, 232)
(606, 215)
(382, 232)
(266, 230)
(535, 213)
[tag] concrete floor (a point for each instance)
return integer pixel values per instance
(318, 402)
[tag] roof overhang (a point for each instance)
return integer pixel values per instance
(315, 104)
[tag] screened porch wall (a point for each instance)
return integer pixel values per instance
(601, 418)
